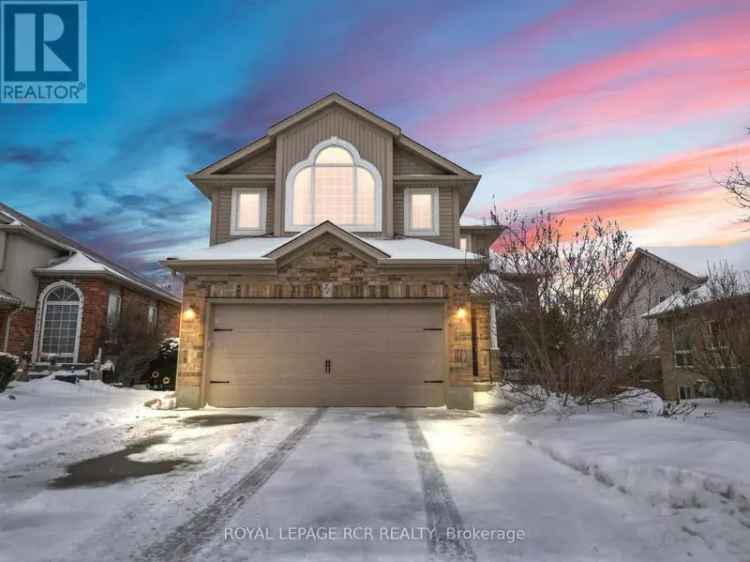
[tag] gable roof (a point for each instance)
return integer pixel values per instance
(326, 227)
(82, 260)
(333, 99)
(638, 255)
(264, 251)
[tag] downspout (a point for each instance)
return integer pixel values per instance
(8, 322)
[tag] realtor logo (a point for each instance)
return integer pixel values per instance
(43, 51)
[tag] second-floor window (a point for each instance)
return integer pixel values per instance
(421, 212)
(682, 344)
(249, 211)
(334, 184)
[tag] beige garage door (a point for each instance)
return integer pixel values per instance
(326, 355)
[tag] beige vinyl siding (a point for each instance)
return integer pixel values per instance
(22, 255)
(222, 214)
(263, 163)
(406, 162)
(448, 218)
(373, 144)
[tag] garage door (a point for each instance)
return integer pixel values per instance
(326, 355)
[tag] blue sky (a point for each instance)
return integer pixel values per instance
(625, 110)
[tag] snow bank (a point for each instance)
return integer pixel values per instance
(167, 402)
(44, 411)
(697, 463)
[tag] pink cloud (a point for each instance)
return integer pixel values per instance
(689, 72)
(672, 200)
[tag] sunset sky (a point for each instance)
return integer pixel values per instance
(628, 110)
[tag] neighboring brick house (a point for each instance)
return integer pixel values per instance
(338, 271)
(647, 281)
(685, 362)
(59, 299)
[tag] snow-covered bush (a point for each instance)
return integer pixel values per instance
(8, 366)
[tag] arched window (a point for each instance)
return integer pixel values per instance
(61, 322)
(334, 184)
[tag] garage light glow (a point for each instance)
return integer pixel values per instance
(461, 313)
(189, 314)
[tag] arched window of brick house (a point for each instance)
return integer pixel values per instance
(60, 330)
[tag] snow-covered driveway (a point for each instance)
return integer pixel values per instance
(335, 484)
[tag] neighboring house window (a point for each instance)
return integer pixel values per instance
(334, 184)
(682, 345)
(152, 316)
(464, 244)
(685, 392)
(61, 322)
(249, 211)
(421, 212)
(114, 305)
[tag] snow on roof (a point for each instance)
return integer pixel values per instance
(417, 249)
(680, 299)
(258, 249)
(473, 221)
(9, 298)
(81, 263)
(84, 259)
(685, 299)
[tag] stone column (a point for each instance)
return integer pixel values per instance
(460, 390)
(192, 336)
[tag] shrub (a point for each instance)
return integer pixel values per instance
(8, 366)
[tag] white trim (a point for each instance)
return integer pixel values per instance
(435, 197)
(262, 192)
(358, 162)
(42, 313)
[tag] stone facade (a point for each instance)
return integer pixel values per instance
(327, 264)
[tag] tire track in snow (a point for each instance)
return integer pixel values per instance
(208, 524)
(439, 506)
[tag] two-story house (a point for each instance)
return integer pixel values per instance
(59, 299)
(338, 271)
(647, 280)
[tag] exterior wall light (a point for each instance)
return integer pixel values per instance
(461, 313)
(189, 314)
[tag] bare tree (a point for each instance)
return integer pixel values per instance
(717, 318)
(133, 342)
(738, 186)
(572, 344)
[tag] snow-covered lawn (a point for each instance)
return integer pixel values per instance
(592, 486)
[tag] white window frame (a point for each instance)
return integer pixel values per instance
(236, 230)
(435, 193)
(357, 162)
(39, 328)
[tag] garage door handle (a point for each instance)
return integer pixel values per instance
(432, 329)
(219, 382)
(223, 329)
